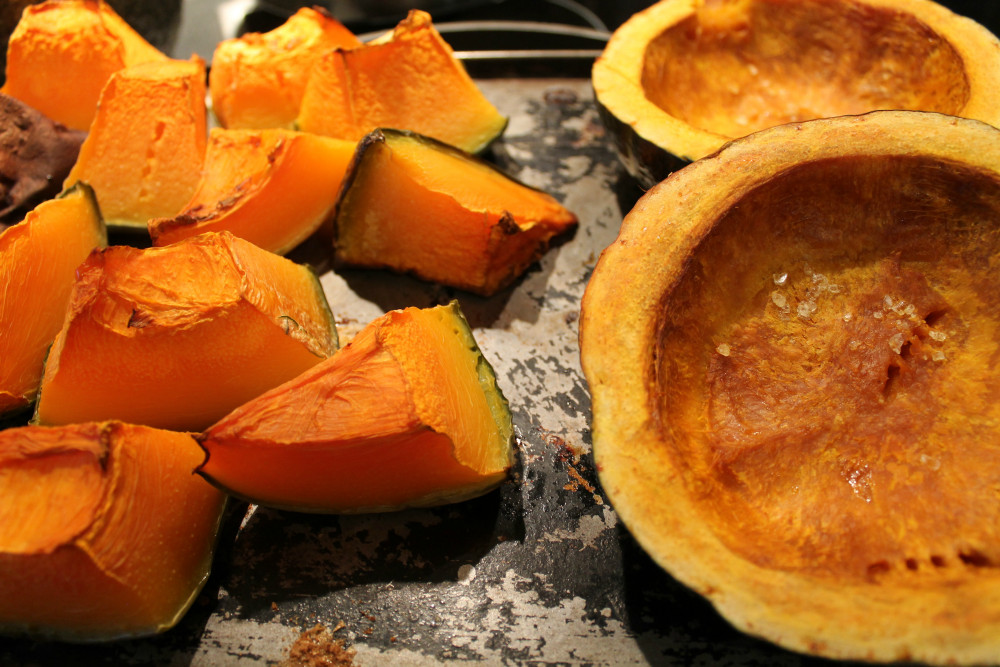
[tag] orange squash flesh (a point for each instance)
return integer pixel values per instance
(38, 258)
(146, 146)
(62, 53)
(416, 205)
(104, 531)
(271, 187)
(257, 80)
(407, 414)
(176, 337)
(410, 79)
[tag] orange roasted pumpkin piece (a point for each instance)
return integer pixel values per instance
(272, 187)
(257, 79)
(62, 53)
(177, 337)
(409, 79)
(38, 260)
(145, 149)
(104, 531)
(408, 414)
(416, 205)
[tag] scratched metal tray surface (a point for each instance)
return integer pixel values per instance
(540, 571)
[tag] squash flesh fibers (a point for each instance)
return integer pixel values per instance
(257, 79)
(273, 188)
(105, 533)
(78, 41)
(407, 414)
(414, 205)
(176, 337)
(145, 149)
(38, 258)
(410, 79)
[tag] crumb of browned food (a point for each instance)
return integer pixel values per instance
(317, 647)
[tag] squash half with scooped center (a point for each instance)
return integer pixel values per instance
(682, 77)
(407, 414)
(791, 349)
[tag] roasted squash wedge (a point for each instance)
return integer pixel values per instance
(407, 414)
(62, 53)
(409, 79)
(38, 260)
(273, 188)
(177, 337)
(145, 149)
(416, 205)
(683, 77)
(104, 531)
(257, 79)
(790, 349)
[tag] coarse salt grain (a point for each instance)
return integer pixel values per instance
(723, 349)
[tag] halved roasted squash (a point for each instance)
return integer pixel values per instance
(409, 79)
(145, 149)
(257, 80)
(682, 77)
(38, 260)
(416, 205)
(36, 154)
(176, 337)
(791, 351)
(62, 53)
(407, 414)
(273, 188)
(104, 531)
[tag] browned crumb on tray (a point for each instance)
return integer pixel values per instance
(317, 647)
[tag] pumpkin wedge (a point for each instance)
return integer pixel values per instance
(271, 187)
(682, 77)
(176, 337)
(145, 149)
(104, 531)
(62, 53)
(36, 154)
(407, 414)
(257, 79)
(791, 349)
(408, 79)
(38, 260)
(416, 205)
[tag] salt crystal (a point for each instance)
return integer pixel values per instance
(723, 349)
(887, 301)
(938, 335)
(806, 308)
(833, 288)
(937, 355)
(848, 317)
(779, 300)
(819, 278)
(896, 343)
(780, 278)
(752, 69)
(877, 315)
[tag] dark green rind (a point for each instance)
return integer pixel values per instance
(646, 162)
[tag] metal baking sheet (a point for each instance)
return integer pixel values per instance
(539, 572)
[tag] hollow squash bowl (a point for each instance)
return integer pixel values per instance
(681, 78)
(792, 352)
